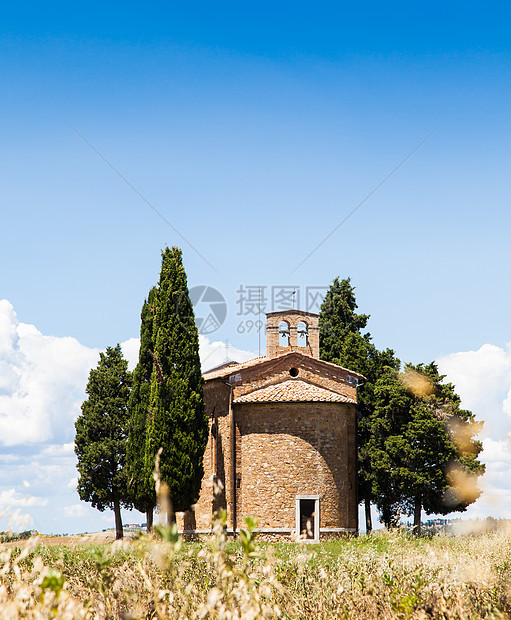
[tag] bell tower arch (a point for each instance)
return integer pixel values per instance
(292, 330)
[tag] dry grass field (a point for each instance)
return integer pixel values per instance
(385, 575)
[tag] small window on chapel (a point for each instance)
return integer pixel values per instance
(283, 334)
(302, 334)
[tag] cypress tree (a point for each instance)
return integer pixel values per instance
(415, 443)
(101, 430)
(140, 478)
(386, 446)
(438, 439)
(178, 423)
(420, 437)
(342, 342)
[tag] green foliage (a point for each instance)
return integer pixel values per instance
(53, 581)
(177, 420)
(140, 476)
(12, 537)
(341, 342)
(416, 446)
(169, 534)
(247, 537)
(420, 434)
(103, 565)
(101, 429)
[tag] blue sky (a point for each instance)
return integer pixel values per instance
(254, 130)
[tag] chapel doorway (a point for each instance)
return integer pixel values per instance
(306, 517)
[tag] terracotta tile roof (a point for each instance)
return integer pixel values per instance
(214, 373)
(295, 391)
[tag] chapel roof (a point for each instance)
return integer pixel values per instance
(223, 365)
(292, 390)
(227, 370)
(215, 373)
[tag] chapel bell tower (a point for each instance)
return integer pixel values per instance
(292, 330)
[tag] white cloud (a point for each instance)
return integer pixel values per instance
(9, 458)
(214, 353)
(66, 449)
(13, 520)
(496, 451)
(483, 380)
(76, 511)
(43, 382)
(42, 385)
(211, 353)
(130, 349)
(11, 498)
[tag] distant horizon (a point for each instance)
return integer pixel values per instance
(408, 522)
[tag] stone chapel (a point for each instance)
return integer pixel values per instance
(282, 439)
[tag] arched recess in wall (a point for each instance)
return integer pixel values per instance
(283, 334)
(302, 333)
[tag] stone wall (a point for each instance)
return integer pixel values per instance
(290, 449)
(282, 450)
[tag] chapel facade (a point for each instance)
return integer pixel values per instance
(282, 442)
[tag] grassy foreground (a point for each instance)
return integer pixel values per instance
(385, 575)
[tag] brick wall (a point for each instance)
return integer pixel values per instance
(282, 450)
(290, 449)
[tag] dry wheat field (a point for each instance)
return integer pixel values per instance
(384, 575)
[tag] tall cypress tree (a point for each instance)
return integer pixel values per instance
(178, 423)
(101, 430)
(342, 342)
(340, 338)
(140, 478)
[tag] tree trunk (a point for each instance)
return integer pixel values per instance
(417, 515)
(389, 516)
(369, 521)
(149, 519)
(385, 515)
(118, 520)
